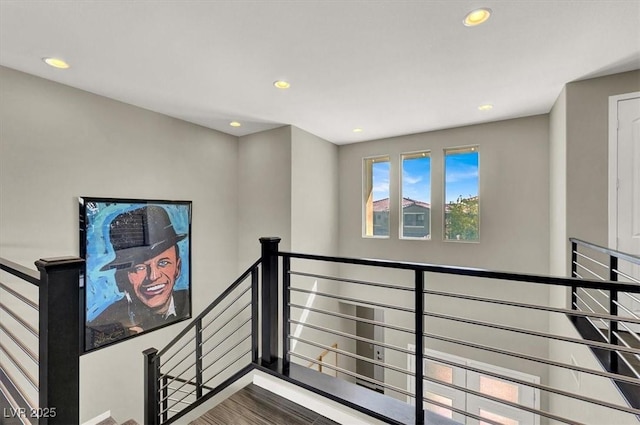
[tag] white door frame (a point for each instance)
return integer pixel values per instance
(613, 165)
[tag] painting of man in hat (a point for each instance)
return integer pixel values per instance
(138, 284)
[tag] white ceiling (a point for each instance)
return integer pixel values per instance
(391, 67)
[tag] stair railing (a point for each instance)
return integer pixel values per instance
(57, 338)
(593, 261)
(205, 357)
(411, 301)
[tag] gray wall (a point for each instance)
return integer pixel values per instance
(579, 157)
(264, 188)
(514, 197)
(514, 222)
(58, 143)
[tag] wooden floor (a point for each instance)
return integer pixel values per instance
(254, 405)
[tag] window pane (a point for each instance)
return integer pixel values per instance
(461, 211)
(439, 372)
(499, 389)
(442, 411)
(416, 195)
(497, 418)
(376, 196)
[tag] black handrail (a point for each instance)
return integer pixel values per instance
(622, 255)
(24, 273)
(472, 272)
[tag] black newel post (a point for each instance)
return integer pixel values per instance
(419, 326)
(574, 273)
(59, 342)
(269, 299)
(613, 310)
(151, 387)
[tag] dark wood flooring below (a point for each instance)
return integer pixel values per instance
(254, 405)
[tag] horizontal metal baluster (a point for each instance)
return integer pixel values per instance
(589, 271)
(180, 362)
(351, 336)
(534, 333)
(357, 319)
(20, 320)
(224, 310)
(461, 412)
(626, 294)
(360, 282)
(515, 354)
(20, 390)
(353, 374)
(19, 296)
(232, 333)
(633, 315)
(592, 260)
(356, 300)
(178, 351)
(626, 276)
(227, 366)
(231, 319)
(33, 381)
(354, 356)
(33, 356)
(162, 376)
(204, 383)
(631, 332)
(525, 305)
(228, 351)
(594, 300)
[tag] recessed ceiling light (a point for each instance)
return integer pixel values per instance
(56, 63)
(476, 17)
(280, 84)
(235, 124)
(485, 107)
(358, 130)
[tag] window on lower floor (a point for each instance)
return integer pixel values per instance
(443, 396)
(376, 176)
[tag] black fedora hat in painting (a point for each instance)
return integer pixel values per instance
(140, 234)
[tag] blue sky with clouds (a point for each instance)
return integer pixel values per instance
(461, 171)
(461, 177)
(416, 179)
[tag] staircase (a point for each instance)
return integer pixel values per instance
(252, 326)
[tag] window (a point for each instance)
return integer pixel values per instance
(449, 373)
(462, 201)
(376, 196)
(416, 195)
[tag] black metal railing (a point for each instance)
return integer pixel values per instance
(207, 355)
(476, 322)
(596, 262)
(36, 359)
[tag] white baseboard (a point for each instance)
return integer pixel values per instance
(323, 406)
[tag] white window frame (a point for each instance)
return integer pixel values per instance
(402, 158)
(444, 193)
(527, 396)
(367, 186)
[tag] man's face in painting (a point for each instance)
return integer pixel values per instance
(153, 280)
